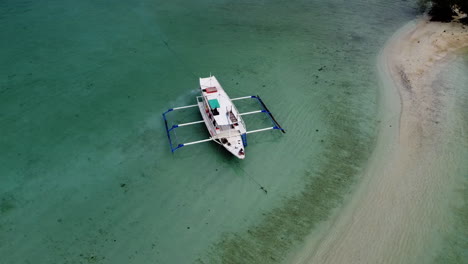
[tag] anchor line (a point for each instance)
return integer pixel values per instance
(253, 179)
(250, 176)
(177, 56)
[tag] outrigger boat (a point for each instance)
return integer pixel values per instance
(222, 119)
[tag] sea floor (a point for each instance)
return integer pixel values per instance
(86, 173)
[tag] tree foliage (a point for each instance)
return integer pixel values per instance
(443, 10)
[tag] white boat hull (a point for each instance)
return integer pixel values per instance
(221, 117)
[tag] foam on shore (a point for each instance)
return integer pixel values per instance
(400, 212)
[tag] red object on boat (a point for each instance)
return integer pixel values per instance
(211, 90)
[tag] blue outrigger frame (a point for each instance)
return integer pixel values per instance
(265, 110)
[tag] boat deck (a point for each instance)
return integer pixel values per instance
(226, 112)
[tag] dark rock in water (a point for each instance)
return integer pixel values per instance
(123, 185)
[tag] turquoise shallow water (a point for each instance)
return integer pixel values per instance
(85, 170)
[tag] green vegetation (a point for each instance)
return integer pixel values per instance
(444, 10)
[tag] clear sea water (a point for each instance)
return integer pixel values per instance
(86, 173)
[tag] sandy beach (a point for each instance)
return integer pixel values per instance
(399, 212)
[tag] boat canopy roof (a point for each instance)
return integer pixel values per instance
(214, 103)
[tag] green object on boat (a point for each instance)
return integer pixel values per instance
(213, 103)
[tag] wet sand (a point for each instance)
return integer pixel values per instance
(399, 213)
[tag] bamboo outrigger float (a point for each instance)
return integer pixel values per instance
(222, 119)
